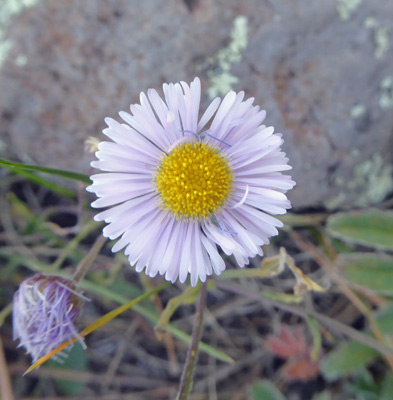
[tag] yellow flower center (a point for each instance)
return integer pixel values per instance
(194, 180)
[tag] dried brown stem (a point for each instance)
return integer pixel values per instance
(192, 355)
(86, 262)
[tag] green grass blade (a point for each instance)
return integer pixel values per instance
(15, 166)
(44, 182)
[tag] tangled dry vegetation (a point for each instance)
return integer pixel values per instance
(323, 331)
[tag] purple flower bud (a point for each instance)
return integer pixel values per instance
(44, 312)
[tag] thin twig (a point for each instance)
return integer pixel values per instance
(86, 262)
(192, 355)
(117, 358)
(167, 337)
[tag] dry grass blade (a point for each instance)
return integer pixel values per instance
(97, 324)
(5, 382)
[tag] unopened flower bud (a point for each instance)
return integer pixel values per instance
(44, 313)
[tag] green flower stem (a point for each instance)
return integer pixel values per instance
(192, 355)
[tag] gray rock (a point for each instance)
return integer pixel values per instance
(322, 70)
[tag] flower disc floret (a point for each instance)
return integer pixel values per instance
(194, 180)
(180, 186)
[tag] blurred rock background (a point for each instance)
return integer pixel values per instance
(323, 70)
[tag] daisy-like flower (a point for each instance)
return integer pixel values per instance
(176, 190)
(44, 313)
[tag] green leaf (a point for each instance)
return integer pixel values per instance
(371, 227)
(363, 387)
(76, 361)
(387, 388)
(384, 319)
(346, 359)
(14, 166)
(373, 271)
(325, 395)
(265, 390)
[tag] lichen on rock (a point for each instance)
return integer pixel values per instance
(372, 181)
(8, 9)
(221, 78)
(346, 8)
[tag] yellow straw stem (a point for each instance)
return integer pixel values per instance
(97, 324)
